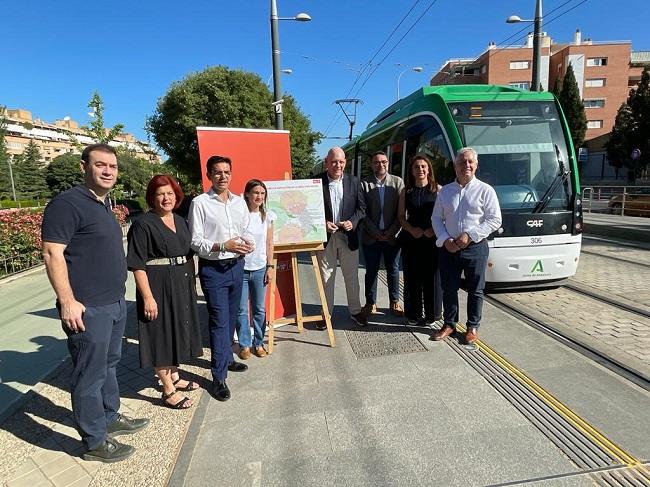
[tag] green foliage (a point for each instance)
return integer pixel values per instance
(29, 176)
(63, 173)
(573, 108)
(619, 145)
(632, 130)
(557, 87)
(134, 174)
(5, 161)
(96, 130)
(222, 97)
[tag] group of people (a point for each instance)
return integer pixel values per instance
(440, 232)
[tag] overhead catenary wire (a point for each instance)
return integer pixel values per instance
(367, 65)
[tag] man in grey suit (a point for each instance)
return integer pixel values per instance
(381, 191)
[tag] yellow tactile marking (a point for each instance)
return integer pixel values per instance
(587, 429)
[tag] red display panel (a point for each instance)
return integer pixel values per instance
(260, 154)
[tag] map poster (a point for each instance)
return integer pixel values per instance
(299, 211)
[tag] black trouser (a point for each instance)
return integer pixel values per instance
(95, 353)
(420, 266)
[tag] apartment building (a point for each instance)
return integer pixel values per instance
(53, 139)
(604, 71)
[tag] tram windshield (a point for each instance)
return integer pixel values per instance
(521, 150)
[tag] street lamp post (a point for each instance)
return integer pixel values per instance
(537, 42)
(284, 71)
(275, 50)
(417, 69)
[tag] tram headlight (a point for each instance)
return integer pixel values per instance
(500, 231)
(577, 213)
(578, 226)
(564, 227)
(578, 201)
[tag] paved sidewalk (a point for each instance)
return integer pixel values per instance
(315, 415)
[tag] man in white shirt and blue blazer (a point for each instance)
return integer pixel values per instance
(466, 212)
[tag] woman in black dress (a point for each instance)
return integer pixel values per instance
(418, 242)
(161, 260)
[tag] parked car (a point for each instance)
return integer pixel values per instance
(637, 202)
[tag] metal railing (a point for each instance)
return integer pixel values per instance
(617, 200)
(18, 263)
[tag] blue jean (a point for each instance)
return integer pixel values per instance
(372, 255)
(95, 353)
(255, 290)
(222, 285)
(471, 261)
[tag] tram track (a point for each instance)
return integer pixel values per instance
(573, 339)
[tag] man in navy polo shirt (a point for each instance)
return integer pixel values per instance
(85, 262)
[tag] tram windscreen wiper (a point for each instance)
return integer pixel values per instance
(559, 181)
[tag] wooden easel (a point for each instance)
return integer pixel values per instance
(299, 319)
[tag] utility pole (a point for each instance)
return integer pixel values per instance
(349, 108)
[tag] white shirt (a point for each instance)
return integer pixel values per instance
(212, 220)
(336, 196)
(473, 208)
(258, 230)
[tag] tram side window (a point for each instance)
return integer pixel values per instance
(377, 143)
(350, 162)
(425, 136)
(395, 159)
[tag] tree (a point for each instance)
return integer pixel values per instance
(6, 190)
(28, 173)
(64, 172)
(557, 87)
(619, 144)
(573, 108)
(228, 98)
(639, 103)
(134, 173)
(96, 130)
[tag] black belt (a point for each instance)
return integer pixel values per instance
(221, 262)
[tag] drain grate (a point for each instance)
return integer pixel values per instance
(369, 344)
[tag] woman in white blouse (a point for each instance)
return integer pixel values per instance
(257, 272)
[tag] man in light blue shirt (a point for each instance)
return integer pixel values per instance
(466, 212)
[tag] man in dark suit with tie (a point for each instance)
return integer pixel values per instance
(381, 191)
(344, 209)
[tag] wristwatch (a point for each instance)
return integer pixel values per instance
(271, 266)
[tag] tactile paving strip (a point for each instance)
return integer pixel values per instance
(368, 344)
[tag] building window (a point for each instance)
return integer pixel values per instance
(522, 85)
(519, 64)
(597, 61)
(595, 83)
(595, 124)
(594, 102)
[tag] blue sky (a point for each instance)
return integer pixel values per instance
(55, 54)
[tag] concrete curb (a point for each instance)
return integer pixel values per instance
(188, 446)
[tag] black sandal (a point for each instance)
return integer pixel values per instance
(179, 405)
(188, 387)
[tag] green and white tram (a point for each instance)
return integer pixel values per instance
(525, 152)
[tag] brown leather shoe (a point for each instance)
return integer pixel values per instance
(260, 352)
(442, 333)
(396, 309)
(471, 335)
(245, 353)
